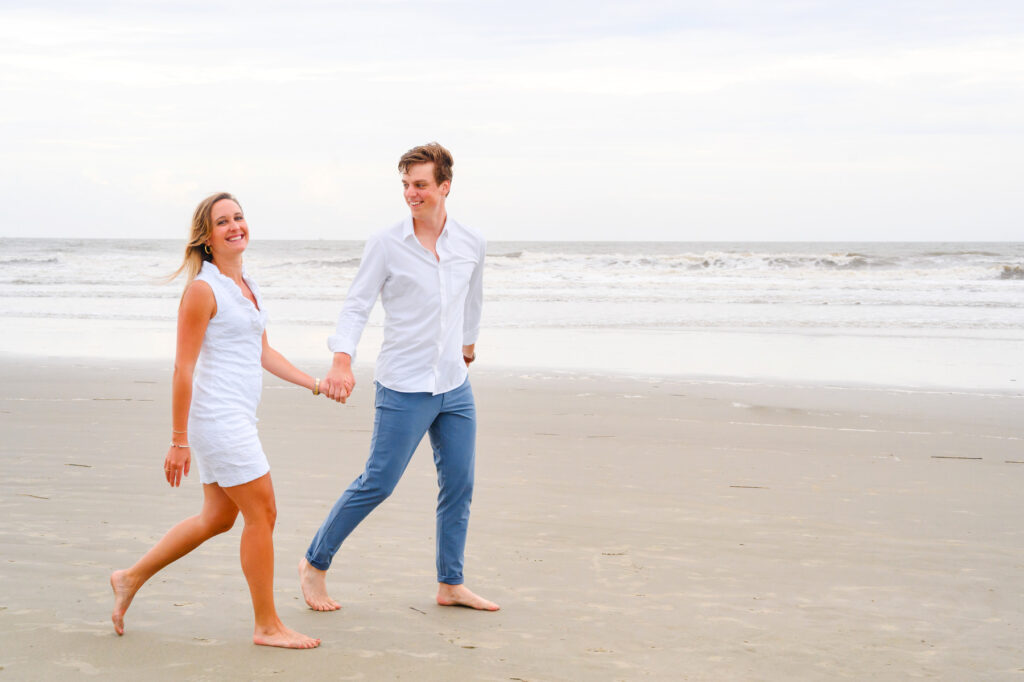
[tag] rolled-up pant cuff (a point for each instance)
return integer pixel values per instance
(320, 566)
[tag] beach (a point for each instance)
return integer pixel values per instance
(740, 286)
(631, 528)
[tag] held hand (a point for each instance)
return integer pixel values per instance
(176, 464)
(338, 383)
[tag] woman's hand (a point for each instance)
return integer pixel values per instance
(176, 464)
(339, 381)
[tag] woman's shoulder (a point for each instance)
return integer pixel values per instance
(199, 288)
(199, 298)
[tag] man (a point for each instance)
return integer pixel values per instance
(428, 271)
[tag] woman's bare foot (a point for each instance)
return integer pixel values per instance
(460, 595)
(314, 587)
(279, 635)
(124, 590)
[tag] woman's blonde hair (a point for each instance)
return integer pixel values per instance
(202, 228)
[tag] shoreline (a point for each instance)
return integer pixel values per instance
(923, 365)
(321, 363)
(629, 529)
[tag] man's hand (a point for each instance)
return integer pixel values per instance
(339, 382)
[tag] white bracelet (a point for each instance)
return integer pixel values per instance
(175, 445)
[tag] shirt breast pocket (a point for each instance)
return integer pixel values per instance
(460, 273)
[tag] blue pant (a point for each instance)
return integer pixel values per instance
(400, 420)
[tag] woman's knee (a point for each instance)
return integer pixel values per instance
(221, 522)
(264, 514)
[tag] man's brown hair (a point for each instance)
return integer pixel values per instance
(431, 152)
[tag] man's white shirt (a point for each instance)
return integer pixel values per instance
(431, 307)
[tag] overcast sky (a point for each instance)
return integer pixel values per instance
(667, 120)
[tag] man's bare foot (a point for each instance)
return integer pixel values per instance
(314, 588)
(279, 635)
(124, 590)
(460, 595)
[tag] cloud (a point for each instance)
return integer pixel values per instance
(729, 114)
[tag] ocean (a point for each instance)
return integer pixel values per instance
(914, 315)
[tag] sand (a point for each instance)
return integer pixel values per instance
(631, 530)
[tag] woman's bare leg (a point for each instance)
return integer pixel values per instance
(256, 502)
(217, 516)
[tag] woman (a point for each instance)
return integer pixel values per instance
(221, 353)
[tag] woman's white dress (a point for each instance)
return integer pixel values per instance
(226, 386)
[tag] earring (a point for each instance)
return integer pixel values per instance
(206, 248)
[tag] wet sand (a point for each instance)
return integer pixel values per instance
(630, 529)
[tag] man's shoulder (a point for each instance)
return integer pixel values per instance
(386, 234)
(393, 230)
(468, 232)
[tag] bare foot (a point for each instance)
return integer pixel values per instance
(314, 588)
(460, 595)
(124, 590)
(279, 635)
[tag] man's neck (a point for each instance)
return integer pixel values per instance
(430, 226)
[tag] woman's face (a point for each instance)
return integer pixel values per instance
(230, 231)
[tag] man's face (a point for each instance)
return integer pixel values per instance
(422, 193)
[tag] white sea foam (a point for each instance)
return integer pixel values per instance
(744, 295)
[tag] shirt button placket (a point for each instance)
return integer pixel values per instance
(442, 321)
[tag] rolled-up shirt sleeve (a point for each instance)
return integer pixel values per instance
(474, 301)
(362, 294)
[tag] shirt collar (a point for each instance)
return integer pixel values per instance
(407, 230)
(209, 265)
